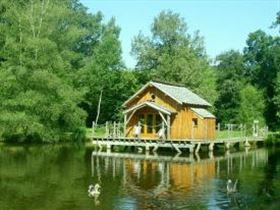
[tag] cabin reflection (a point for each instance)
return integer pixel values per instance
(146, 176)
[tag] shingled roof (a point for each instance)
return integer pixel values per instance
(203, 113)
(178, 93)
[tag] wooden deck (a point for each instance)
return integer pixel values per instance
(177, 144)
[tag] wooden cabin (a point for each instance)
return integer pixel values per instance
(167, 111)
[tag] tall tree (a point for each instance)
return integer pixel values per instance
(172, 54)
(230, 73)
(262, 57)
(40, 50)
(276, 98)
(100, 74)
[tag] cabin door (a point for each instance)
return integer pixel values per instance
(150, 124)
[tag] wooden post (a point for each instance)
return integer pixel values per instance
(107, 130)
(119, 129)
(168, 127)
(211, 147)
(219, 128)
(228, 130)
(114, 129)
(197, 148)
(93, 124)
(124, 125)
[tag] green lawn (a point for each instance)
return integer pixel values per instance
(225, 134)
(98, 132)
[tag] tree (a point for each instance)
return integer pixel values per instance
(251, 106)
(230, 73)
(99, 75)
(262, 58)
(38, 100)
(173, 55)
(276, 98)
(276, 23)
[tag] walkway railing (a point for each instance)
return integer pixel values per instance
(223, 131)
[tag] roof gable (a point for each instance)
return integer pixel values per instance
(178, 93)
(152, 105)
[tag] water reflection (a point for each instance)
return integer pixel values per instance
(57, 177)
(155, 181)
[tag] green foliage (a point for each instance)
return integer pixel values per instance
(262, 56)
(37, 95)
(276, 23)
(79, 135)
(273, 139)
(251, 105)
(56, 59)
(229, 72)
(258, 66)
(173, 55)
(276, 98)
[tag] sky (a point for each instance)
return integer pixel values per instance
(224, 24)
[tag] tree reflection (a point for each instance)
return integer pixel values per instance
(266, 187)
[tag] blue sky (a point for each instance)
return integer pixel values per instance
(224, 24)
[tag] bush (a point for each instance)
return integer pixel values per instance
(273, 139)
(79, 135)
(19, 138)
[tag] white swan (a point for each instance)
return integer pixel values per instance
(230, 188)
(94, 191)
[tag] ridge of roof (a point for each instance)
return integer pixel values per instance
(168, 83)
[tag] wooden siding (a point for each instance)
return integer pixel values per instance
(161, 99)
(181, 175)
(187, 175)
(181, 122)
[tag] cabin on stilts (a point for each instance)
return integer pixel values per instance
(167, 111)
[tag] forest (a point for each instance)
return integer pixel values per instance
(57, 61)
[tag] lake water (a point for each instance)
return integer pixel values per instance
(57, 177)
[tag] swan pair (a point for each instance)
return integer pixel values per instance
(94, 190)
(230, 188)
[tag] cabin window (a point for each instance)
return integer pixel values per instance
(150, 123)
(141, 119)
(194, 122)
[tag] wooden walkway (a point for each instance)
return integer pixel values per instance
(177, 144)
